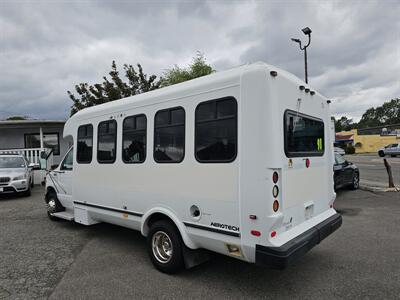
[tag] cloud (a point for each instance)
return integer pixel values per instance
(46, 47)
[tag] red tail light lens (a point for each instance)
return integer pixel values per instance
(273, 234)
(275, 206)
(307, 163)
(275, 177)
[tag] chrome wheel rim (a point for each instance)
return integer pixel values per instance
(162, 247)
(51, 206)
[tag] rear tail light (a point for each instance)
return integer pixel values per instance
(275, 206)
(273, 233)
(275, 191)
(307, 163)
(275, 177)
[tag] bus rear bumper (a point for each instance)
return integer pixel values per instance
(281, 257)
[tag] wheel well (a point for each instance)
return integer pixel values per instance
(50, 190)
(155, 218)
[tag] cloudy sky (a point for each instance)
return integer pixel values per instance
(46, 47)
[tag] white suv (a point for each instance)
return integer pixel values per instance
(15, 174)
(391, 149)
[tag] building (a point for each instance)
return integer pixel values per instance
(369, 139)
(31, 137)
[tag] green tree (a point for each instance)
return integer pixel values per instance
(113, 88)
(16, 118)
(136, 82)
(386, 114)
(197, 68)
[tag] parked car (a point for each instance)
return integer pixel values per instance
(339, 150)
(391, 149)
(346, 174)
(15, 174)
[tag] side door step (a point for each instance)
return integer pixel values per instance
(64, 215)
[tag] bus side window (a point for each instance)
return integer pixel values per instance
(84, 144)
(134, 139)
(216, 131)
(169, 135)
(106, 141)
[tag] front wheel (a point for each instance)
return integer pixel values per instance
(164, 245)
(53, 205)
(356, 181)
(381, 153)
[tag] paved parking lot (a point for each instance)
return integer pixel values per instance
(63, 260)
(373, 171)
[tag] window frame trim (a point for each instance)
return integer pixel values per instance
(115, 142)
(134, 130)
(167, 126)
(77, 138)
(236, 117)
(301, 154)
(44, 133)
(65, 157)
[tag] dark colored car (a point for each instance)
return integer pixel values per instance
(346, 174)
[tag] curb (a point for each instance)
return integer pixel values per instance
(378, 189)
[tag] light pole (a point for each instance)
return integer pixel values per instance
(306, 31)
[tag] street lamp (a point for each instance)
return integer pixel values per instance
(306, 31)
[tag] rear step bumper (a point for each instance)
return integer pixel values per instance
(281, 257)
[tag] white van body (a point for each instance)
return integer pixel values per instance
(222, 207)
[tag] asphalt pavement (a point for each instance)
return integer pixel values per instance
(373, 171)
(43, 259)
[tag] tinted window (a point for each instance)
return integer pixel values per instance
(304, 135)
(68, 161)
(84, 144)
(134, 139)
(107, 140)
(216, 131)
(169, 135)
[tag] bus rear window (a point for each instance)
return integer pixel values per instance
(304, 135)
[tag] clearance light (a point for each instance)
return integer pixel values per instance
(273, 73)
(275, 191)
(302, 87)
(307, 90)
(275, 177)
(275, 206)
(307, 163)
(255, 232)
(312, 93)
(273, 233)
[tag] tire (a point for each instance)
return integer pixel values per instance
(53, 205)
(381, 154)
(28, 192)
(32, 184)
(355, 184)
(164, 245)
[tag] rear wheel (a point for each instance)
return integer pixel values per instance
(53, 205)
(164, 245)
(381, 153)
(356, 181)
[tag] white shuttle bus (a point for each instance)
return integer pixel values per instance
(238, 162)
